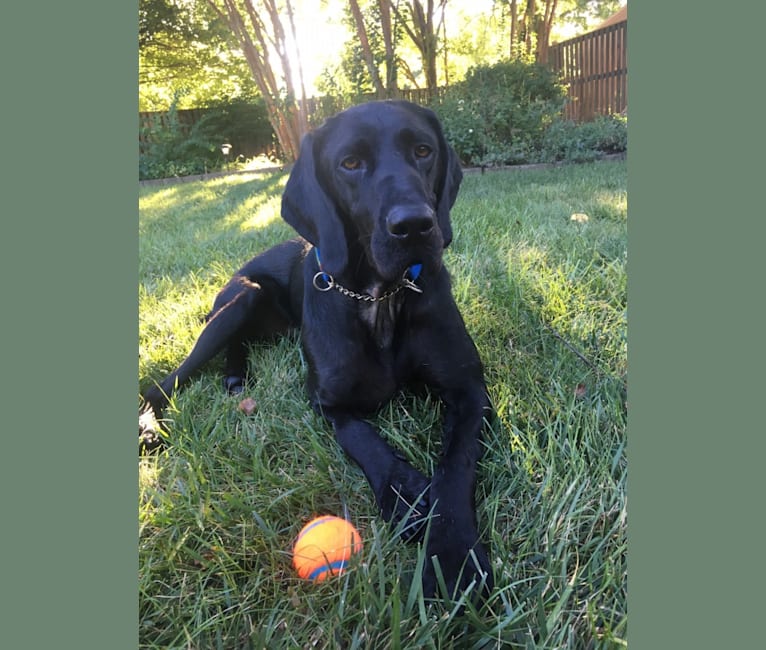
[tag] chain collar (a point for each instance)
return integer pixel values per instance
(324, 282)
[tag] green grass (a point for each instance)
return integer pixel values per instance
(545, 300)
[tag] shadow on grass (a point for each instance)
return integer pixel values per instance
(191, 227)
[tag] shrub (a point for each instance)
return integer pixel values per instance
(499, 113)
(176, 150)
(179, 150)
(569, 141)
(244, 124)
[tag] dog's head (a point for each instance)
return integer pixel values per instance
(377, 178)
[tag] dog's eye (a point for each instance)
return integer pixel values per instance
(351, 163)
(423, 151)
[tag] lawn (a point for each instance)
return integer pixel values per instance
(545, 298)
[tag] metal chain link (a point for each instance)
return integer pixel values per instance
(331, 284)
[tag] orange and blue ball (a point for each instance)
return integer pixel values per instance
(324, 547)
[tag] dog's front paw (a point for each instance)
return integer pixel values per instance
(150, 437)
(234, 384)
(453, 544)
(404, 500)
(462, 560)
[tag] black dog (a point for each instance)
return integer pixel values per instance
(370, 195)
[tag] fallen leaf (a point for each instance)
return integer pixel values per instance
(247, 405)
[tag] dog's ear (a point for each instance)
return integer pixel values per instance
(307, 208)
(448, 181)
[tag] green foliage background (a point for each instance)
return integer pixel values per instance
(499, 113)
(175, 150)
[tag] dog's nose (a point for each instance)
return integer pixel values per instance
(410, 223)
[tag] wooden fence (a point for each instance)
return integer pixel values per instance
(318, 109)
(247, 139)
(594, 67)
(161, 120)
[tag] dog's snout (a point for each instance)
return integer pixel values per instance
(410, 223)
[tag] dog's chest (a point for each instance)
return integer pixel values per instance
(379, 319)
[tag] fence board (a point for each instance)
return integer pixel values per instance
(594, 68)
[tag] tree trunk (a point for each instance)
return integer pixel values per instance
(364, 42)
(256, 39)
(529, 24)
(513, 49)
(388, 43)
(303, 120)
(423, 35)
(544, 30)
(443, 27)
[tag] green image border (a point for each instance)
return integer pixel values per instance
(695, 149)
(69, 263)
(695, 332)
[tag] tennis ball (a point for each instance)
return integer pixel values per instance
(324, 546)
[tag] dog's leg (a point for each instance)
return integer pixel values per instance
(225, 323)
(260, 301)
(231, 313)
(400, 490)
(453, 537)
(235, 369)
(450, 365)
(242, 311)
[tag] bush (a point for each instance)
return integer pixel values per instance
(179, 150)
(499, 113)
(176, 150)
(569, 141)
(244, 124)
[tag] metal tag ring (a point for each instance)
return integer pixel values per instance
(327, 279)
